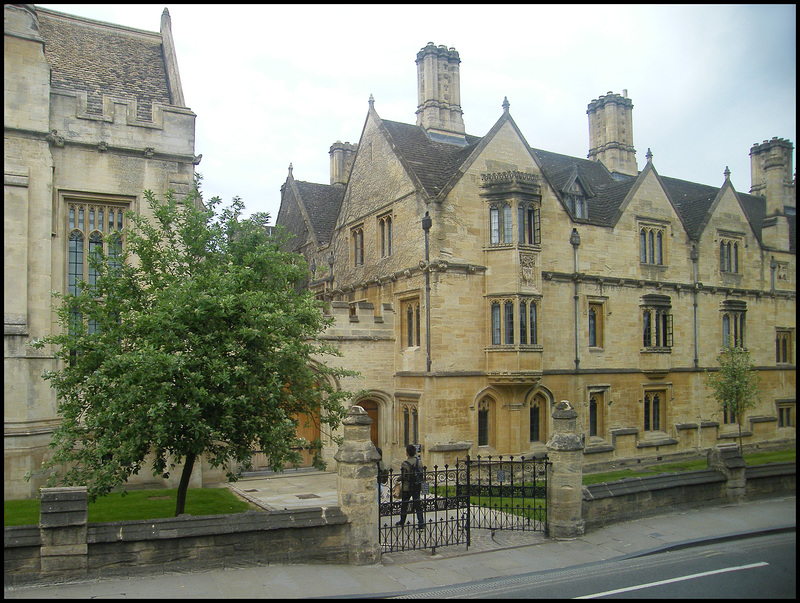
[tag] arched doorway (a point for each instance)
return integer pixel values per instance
(371, 408)
(308, 428)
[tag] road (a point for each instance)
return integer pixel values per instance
(755, 567)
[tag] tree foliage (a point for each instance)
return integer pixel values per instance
(198, 341)
(735, 385)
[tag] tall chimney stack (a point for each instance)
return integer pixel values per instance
(439, 94)
(771, 174)
(611, 133)
(771, 177)
(342, 156)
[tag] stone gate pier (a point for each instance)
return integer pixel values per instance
(565, 483)
(357, 485)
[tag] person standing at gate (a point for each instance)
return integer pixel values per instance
(411, 473)
(383, 477)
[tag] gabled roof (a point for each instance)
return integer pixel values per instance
(103, 59)
(433, 163)
(692, 202)
(608, 192)
(322, 203)
(309, 211)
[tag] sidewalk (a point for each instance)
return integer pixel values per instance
(505, 554)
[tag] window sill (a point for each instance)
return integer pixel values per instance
(596, 349)
(654, 439)
(655, 350)
(597, 445)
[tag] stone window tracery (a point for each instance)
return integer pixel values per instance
(514, 320)
(656, 322)
(651, 245)
(357, 236)
(654, 410)
(729, 256)
(733, 322)
(410, 414)
(513, 196)
(411, 322)
(385, 228)
(783, 346)
(538, 414)
(93, 228)
(485, 418)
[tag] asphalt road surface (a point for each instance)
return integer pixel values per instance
(755, 567)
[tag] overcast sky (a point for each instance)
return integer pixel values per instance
(278, 84)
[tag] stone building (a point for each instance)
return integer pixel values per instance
(94, 114)
(541, 277)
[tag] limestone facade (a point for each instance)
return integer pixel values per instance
(545, 277)
(93, 116)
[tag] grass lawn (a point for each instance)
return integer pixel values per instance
(752, 458)
(136, 504)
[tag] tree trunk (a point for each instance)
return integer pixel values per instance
(184, 484)
(741, 450)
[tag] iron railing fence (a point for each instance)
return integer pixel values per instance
(506, 493)
(444, 509)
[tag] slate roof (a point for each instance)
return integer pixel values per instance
(436, 163)
(609, 193)
(104, 59)
(322, 202)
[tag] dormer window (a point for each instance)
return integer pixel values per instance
(575, 193)
(577, 205)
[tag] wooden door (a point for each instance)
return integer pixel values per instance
(310, 431)
(372, 410)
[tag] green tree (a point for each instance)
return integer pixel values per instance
(196, 339)
(735, 385)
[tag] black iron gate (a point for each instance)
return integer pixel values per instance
(445, 512)
(493, 493)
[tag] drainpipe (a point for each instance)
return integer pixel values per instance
(773, 267)
(695, 255)
(575, 240)
(426, 226)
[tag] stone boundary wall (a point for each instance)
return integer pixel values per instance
(321, 535)
(636, 497)
(65, 547)
(123, 548)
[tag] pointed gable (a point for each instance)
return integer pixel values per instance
(605, 193)
(433, 163)
(309, 211)
(692, 202)
(322, 203)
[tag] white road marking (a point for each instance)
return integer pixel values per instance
(671, 580)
